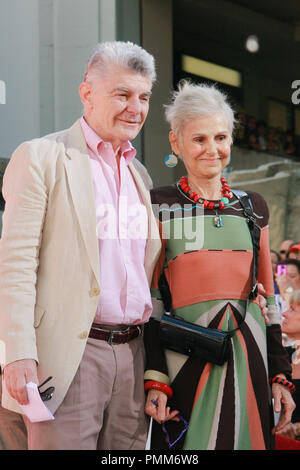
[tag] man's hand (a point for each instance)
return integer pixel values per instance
(16, 375)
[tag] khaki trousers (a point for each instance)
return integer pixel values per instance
(104, 406)
(13, 434)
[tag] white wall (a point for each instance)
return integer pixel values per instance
(44, 46)
(68, 32)
(19, 69)
(157, 38)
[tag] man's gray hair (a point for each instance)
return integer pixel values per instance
(197, 100)
(126, 54)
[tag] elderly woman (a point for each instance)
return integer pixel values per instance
(291, 327)
(207, 283)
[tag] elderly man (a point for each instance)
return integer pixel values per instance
(284, 248)
(77, 253)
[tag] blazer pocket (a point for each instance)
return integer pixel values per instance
(38, 315)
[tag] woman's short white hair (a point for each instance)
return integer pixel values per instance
(294, 297)
(197, 100)
(126, 54)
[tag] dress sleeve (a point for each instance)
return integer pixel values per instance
(278, 360)
(156, 365)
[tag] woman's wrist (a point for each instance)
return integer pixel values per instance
(281, 379)
(157, 376)
(159, 386)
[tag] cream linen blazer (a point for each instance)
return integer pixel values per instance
(49, 258)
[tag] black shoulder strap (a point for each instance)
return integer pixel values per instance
(164, 289)
(254, 228)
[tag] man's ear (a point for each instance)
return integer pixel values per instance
(85, 93)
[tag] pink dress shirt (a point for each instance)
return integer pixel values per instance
(122, 227)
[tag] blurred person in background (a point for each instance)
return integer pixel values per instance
(284, 248)
(253, 143)
(262, 134)
(273, 144)
(290, 143)
(294, 251)
(275, 260)
(291, 327)
(239, 131)
(250, 128)
(289, 282)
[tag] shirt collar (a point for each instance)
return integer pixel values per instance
(94, 142)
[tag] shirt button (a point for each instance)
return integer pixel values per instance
(83, 335)
(94, 292)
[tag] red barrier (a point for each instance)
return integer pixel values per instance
(285, 443)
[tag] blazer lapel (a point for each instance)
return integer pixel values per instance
(77, 165)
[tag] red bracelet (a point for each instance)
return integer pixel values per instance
(154, 385)
(284, 382)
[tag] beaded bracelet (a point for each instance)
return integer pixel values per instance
(284, 382)
(154, 385)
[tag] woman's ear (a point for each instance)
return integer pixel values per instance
(174, 142)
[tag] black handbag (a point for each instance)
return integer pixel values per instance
(211, 345)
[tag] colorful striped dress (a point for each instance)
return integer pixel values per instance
(229, 406)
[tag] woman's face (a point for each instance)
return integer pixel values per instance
(204, 145)
(291, 322)
(293, 276)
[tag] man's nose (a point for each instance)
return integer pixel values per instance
(134, 105)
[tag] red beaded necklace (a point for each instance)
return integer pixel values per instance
(227, 194)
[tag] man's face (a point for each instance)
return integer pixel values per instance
(284, 248)
(117, 104)
(293, 276)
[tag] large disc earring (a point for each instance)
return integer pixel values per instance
(171, 160)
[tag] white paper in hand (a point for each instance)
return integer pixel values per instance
(35, 410)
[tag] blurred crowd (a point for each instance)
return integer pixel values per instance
(286, 272)
(255, 134)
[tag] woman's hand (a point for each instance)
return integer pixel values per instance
(283, 404)
(159, 412)
(261, 300)
(283, 283)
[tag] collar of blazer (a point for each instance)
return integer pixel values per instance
(80, 181)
